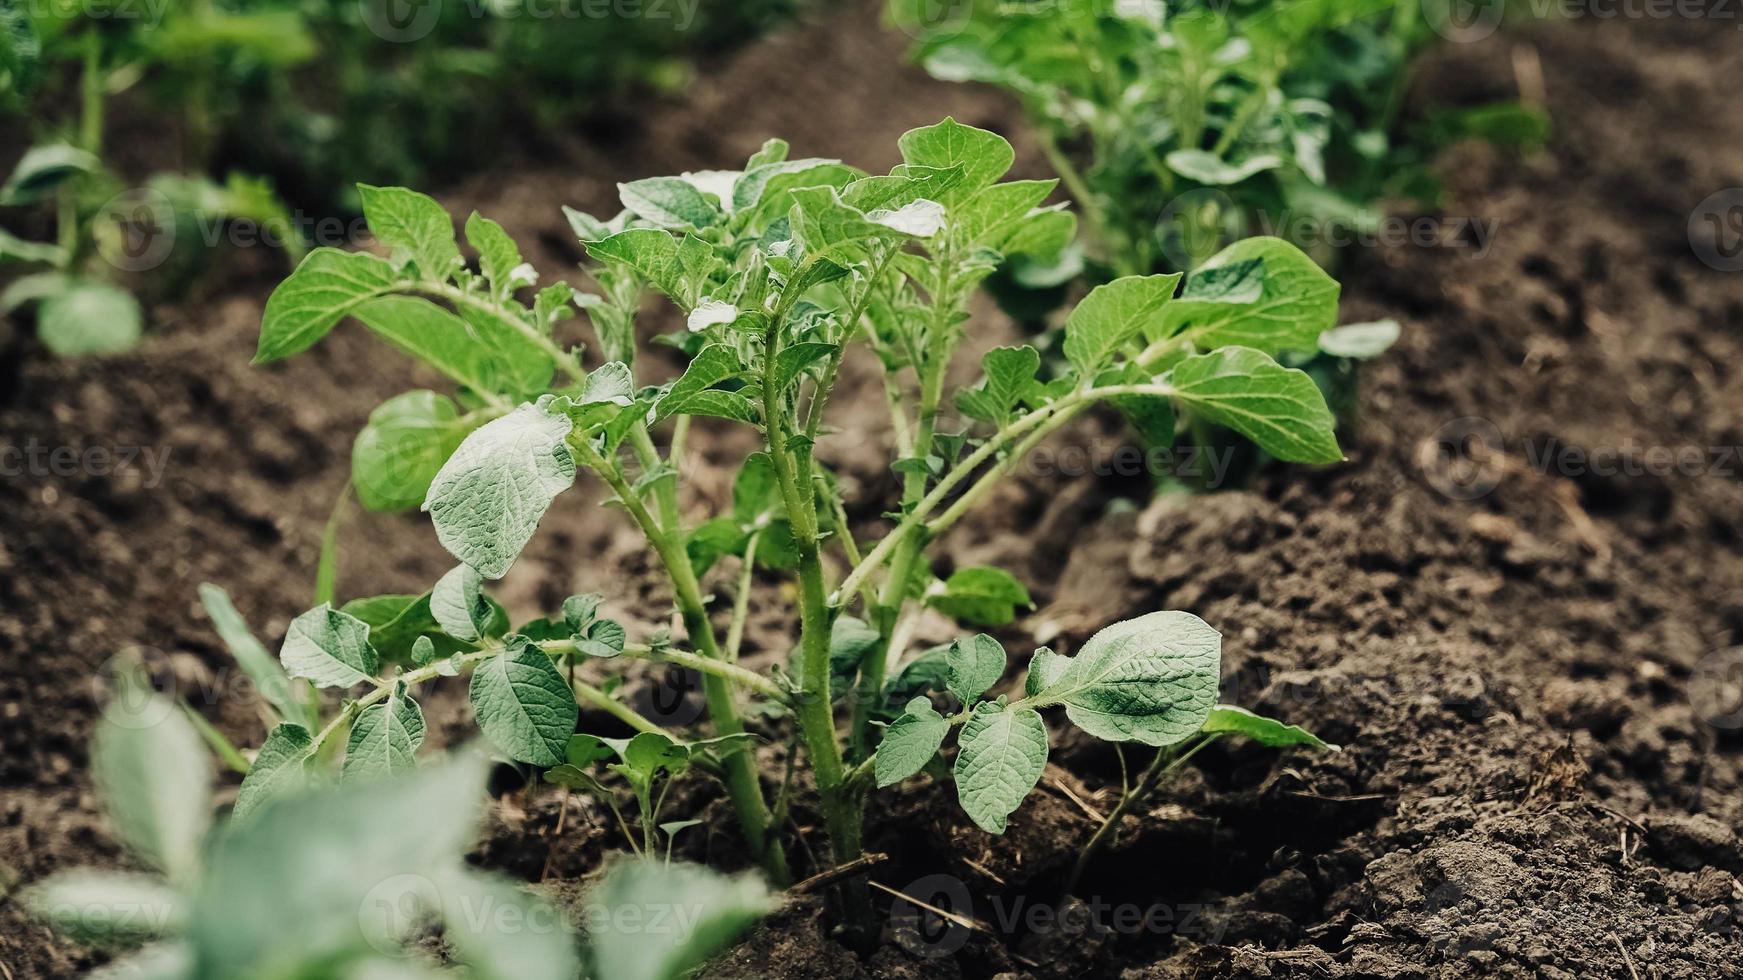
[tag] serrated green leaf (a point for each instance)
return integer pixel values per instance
(397, 622)
(1361, 341)
(498, 257)
(107, 907)
(1152, 679)
(834, 231)
(981, 596)
(154, 776)
(1010, 379)
(712, 365)
(1279, 408)
(984, 156)
(491, 494)
(480, 355)
(671, 203)
(1003, 751)
(1112, 315)
(717, 910)
(262, 668)
(325, 288)
(523, 704)
(458, 604)
(653, 255)
(910, 742)
(279, 770)
(795, 359)
(975, 664)
(88, 317)
(414, 223)
(385, 737)
(1266, 731)
(988, 216)
(402, 447)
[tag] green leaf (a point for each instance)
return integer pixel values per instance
(1002, 755)
(1212, 170)
(385, 737)
(717, 909)
(42, 169)
(1045, 666)
(311, 880)
(397, 622)
(671, 203)
(498, 257)
(976, 664)
(712, 365)
(402, 447)
(1279, 408)
(988, 217)
(329, 647)
(792, 362)
(458, 604)
(325, 288)
(88, 317)
(1009, 381)
(154, 776)
(280, 769)
(981, 596)
(489, 497)
(1361, 341)
(523, 704)
(1112, 315)
(834, 231)
(406, 220)
(107, 907)
(910, 742)
(1265, 731)
(268, 676)
(984, 156)
(653, 255)
(1297, 302)
(1152, 679)
(482, 354)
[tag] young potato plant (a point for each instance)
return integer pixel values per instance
(1179, 127)
(777, 269)
(331, 884)
(101, 231)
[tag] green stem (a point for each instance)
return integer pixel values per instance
(1165, 764)
(741, 780)
(741, 601)
(91, 95)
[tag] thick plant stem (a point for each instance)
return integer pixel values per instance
(740, 774)
(1165, 764)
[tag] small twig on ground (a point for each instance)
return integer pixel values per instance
(818, 882)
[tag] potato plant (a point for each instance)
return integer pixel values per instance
(76, 280)
(778, 270)
(333, 885)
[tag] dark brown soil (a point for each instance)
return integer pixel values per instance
(1540, 777)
